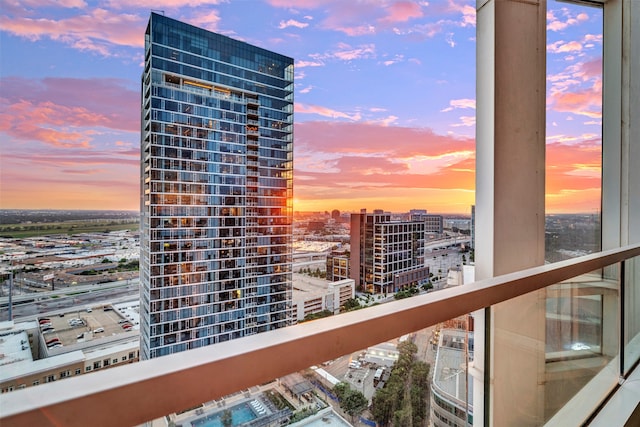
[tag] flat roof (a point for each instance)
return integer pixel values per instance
(14, 348)
(307, 287)
(100, 321)
(383, 354)
(450, 372)
(30, 367)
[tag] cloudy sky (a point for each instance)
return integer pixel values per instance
(384, 101)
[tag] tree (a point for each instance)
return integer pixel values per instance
(341, 389)
(354, 403)
(351, 304)
(227, 418)
(382, 405)
(404, 400)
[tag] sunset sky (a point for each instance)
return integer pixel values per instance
(384, 100)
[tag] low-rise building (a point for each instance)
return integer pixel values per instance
(312, 295)
(72, 343)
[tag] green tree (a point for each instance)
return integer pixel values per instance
(404, 400)
(227, 418)
(351, 304)
(341, 389)
(354, 403)
(382, 405)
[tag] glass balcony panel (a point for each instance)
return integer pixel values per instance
(631, 313)
(582, 344)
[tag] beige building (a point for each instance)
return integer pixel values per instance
(28, 358)
(312, 295)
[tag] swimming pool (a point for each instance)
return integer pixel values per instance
(239, 414)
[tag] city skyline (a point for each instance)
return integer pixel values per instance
(363, 139)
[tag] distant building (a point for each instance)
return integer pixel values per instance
(335, 214)
(315, 226)
(338, 265)
(216, 189)
(387, 255)
(433, 223)
(473, 226)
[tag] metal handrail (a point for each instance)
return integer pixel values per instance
(135, 393)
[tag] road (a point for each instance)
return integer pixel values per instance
(60, 302)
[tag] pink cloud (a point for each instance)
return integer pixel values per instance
(347, 53)
(95, 30)
(206, 20)
(460, 103)
(87, 102)
(578, 90)
(564, 47)
(555, 23)
(586, 102)
(163, 4)
(45, 3)
(468, 13)
(402, 11)
(369, 139)
(292, 23)
(324, 111)
(300, 4)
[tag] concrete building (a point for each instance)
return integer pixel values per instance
(30, 356)
(386, 254)
(451, 390)
(312, 295)
(216, 189)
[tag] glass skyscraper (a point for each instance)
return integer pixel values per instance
(216, 189)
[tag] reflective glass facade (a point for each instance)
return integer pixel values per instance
(216, 189)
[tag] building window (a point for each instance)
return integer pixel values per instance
(105, 362)
(96, 365)
(36, 382)
(114, 361)
(131, 356)
(64, 374)
(124, 358)
(87, 369)
(50, 378)
(78, 371)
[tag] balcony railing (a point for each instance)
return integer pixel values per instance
(133, 394)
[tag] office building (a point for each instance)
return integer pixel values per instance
(433, 223)
(338, 265)
(386, 255)
(216, 189)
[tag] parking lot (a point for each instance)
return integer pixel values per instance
(96, 323)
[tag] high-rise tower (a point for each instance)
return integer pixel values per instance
(216, 189)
